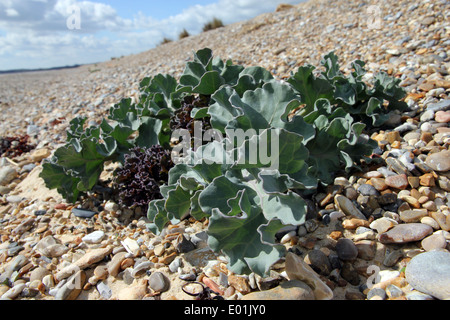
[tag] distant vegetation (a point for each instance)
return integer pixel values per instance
(214, 24)
(183, 34)
(166, 40)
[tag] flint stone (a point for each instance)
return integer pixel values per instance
(50, 247)
(72, 288)
(91, 257)
(348, 207)
(439, 161)
(94, 237)
(346, 249)
(290, 290)
(297, 269)
(404, 233)
(158, 282)
(442, 105)
(7, 174)
(435, 241)
(428, 273)
(82, 213)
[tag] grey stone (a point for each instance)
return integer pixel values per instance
(38, 274)
(15, 264)
(442, 105)
(319, 262)
(49, 247)
(376, 292)
(348, 207)
(406, 127)
(7, 174)
(439, 161)
(346, 249)
(429, 273)
(349, 273)
(185, 245)
(140, 269)
(416, 295)
(94, 237)
(392, 258)
(404, 233)
(158, 282)
(290, 290)
(82, 213)
(368, 190)
(104, 290)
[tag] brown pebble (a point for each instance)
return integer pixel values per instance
(336, 235)
(128, 262)
(427, 180)
(398, 181)
(168, 259)
(354, 223)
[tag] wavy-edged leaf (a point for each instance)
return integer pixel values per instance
(240, 239)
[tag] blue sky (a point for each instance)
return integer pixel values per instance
(36, 34)
(156, 9)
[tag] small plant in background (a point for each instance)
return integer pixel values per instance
(183, 34)
(165, 40)
(213, 24)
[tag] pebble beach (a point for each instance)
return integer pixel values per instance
(380, 234)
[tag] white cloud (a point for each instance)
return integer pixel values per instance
(37, 34)
(10, 12)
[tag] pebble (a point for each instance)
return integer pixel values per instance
(348, 207)
(393, 291)
(297, 269)
(72, 288)
(104, 290)
(346, 249)
(367, 249)
(368, 190)
(398, 182)
(7, 174)
(94, 237)
(38, 274)
(443, 116)
(376, 292)
(442, 105)
(433, 242)
(404, 233)
(89, 258)
(140, 269)
(431, 222)
(319, 262)
(413, 215)
(240, 283)
(14, 291)
(51, 248)
(82, 213)
(175, 264)
(439, 161)
(428, 273)
(115, 263)
(391, 258)
(290, 290)
(158, 282)
(383, 224)
(416, 295)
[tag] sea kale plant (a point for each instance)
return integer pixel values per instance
(264, 145)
